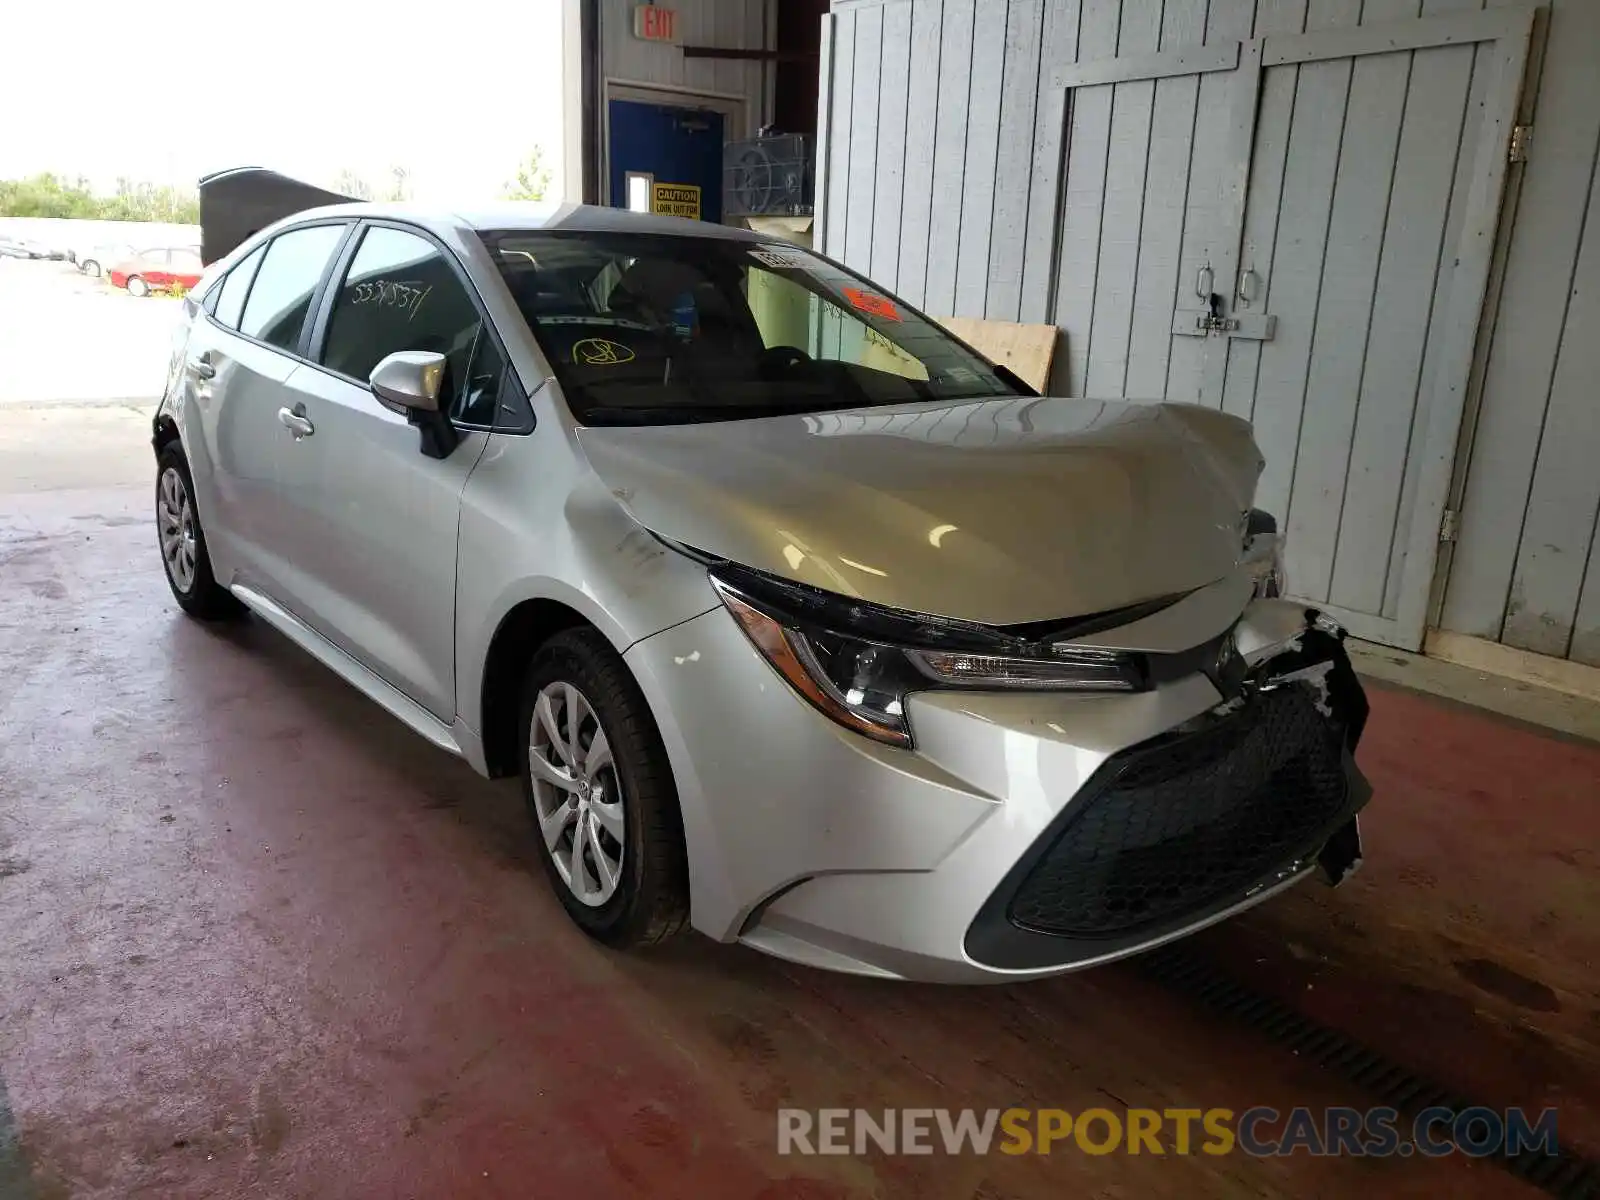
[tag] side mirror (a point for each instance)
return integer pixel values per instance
(409, 382)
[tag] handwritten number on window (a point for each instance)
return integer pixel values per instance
(406, 295)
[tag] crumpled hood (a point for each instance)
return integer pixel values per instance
(997, 511)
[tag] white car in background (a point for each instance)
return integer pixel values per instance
(97, 260)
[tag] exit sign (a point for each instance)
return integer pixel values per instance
(655, 24)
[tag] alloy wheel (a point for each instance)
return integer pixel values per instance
(175, 524)
(577, 793)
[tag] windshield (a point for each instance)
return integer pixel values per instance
(653, 329)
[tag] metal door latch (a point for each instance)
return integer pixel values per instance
(1213, 321)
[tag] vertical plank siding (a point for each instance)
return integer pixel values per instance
(1014, 160)
(979, 173)
(888, 186)
(927, 21)
(956, 84)
(862, 153)
(959, 173)
(1499, 586)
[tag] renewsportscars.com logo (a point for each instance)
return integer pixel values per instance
(1260, 1132)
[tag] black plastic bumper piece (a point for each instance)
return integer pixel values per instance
(1193, 822)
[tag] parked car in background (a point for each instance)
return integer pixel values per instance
(802, 622)
(27, 248)
(158, 270)
(96, 260)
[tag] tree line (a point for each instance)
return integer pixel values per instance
(50, 195)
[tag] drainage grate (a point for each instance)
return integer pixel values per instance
(1566, 1175)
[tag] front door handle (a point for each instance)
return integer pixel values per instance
(295, 423)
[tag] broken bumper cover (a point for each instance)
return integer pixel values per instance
(814, 844)
(1187, 827)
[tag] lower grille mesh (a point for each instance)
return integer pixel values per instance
(1182, 823)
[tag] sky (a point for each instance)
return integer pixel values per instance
(168, 90)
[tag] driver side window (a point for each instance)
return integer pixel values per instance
(400, 293)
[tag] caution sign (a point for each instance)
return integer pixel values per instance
(676, 200)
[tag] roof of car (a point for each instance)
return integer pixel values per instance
(532, 215)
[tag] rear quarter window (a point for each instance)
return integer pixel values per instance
(235, 286)
(280, 295)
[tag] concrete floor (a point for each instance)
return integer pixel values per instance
(257, 939)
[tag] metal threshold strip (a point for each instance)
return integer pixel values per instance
(1567, 1175)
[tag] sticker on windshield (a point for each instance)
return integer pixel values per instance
(778, 258)
(600, 352)
(867, 302)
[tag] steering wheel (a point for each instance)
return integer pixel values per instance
(779, 360)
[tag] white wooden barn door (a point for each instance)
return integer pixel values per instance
(1331, 286)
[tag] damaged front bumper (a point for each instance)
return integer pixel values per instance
(1026, 833)
(1202, 820)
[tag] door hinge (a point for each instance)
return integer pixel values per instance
(1521, 136)
(1447, 526)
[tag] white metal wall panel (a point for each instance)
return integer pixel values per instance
(1559, 526)
(949, 154)
(859, 200)
(1083, 196)
(732, 24)
(1357, 233)
(1058, 45)
(1006, 233)
(1166, 194)
(1095, 209)
(978, 175)
(1500, 584)
(1390, 392)
(840, 189)
(1122, 213)
(1208, 221)
(927, 20)
(887, 206)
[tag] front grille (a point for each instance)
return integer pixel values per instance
(1173, 827)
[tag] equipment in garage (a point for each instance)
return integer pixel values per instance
(237, 202)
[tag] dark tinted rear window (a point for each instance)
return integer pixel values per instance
(281, 293)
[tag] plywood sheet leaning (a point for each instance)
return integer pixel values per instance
(1026, 349)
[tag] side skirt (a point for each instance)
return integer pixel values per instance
(390, 698)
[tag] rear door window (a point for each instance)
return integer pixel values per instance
(285, 282)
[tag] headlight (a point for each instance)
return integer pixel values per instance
(857, 662)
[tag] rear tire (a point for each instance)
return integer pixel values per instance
(137, 286)
(602, 766)
(89, 267)
(184, 558)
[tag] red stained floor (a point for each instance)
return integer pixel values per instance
(256, 939)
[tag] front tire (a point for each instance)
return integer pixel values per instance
(183, 543)
(137, 286)
(600, 791)
(89, 267)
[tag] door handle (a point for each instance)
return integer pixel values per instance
(295, 423)
(202, 367)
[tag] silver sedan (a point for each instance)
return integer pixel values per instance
(802, 622)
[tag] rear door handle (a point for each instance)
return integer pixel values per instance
(202, 366)
(295, 423)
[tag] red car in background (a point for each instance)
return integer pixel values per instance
(158, 270)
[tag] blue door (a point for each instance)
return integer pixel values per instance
(679, 149)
